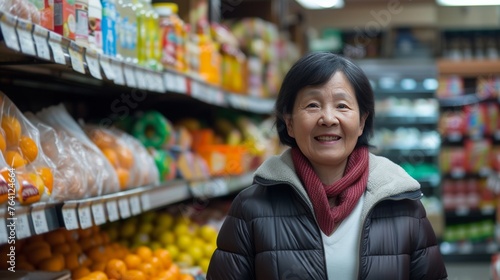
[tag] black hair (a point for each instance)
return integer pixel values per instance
(315, 69)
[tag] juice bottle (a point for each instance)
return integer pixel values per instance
(126, 31)
(140, 13)
(167, 33)
(108, 27)
(94, 28)
(153, 51)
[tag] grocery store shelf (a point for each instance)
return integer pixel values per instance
(406, 120)
(471, 68)
(20, 222)
(461, 100)
(468, 251)
(41, 51)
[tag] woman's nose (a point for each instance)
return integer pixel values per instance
(328, 118)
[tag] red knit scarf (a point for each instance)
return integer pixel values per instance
(347, 190)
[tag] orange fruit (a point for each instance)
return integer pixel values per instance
(61, 249)
(55, 237)
(23, 265)
(111, 155)
(14, 159)
(37, 255)
(123, 177)
(98, 266)
(134, 275)
(125, 157)
(12, 128)
(3, 143)
(96, 253)
(115, 268)
(98, 275)
(164, 256)
(132, 261)
(79, 272)
(102, 139)
(75, 247)
(148, 269)
(47, 177)
(53, 263)
(186, 276)
(71, 260)
(145, 253)
(157, 264)
(28, 148)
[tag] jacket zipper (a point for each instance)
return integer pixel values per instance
(414, 195)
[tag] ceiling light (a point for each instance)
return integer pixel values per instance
(468, 2)
(321, 4)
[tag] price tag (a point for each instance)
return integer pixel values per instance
(159, 87)
(135, 205)
(4, 235)
(118, 72)
(146, 202)
(124, 207)
(84, 215)
(112, 208)
(8, 27)
(169, 81)
(40, 35)
(106, 67)
(195, 89)
(69, 216)
(180, 84)
(22, 226)
(76, 56)
(141, 79)
(24, 35)
(39, 220)
(98, 213)
(150, 83)
(129, 75)
(55, 43)
(92, 59)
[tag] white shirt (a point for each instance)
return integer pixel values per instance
(342, 247)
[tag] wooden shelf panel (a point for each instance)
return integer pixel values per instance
(470, 68)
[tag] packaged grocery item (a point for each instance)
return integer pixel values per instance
(64, 18)
(82, 22)
(95, 25)
(108, 26)
(126, 27)
(45, 9)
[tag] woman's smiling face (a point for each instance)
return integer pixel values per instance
(326, 122)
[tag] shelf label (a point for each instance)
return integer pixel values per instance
(196, 91)
(169, 81)
(158, 82)
(124, 207)
(135, 205)
(92, 59)
(39, 218)
(112, 208)
(106, 67)
(118, 72)
(218, 187)
(4, 234)
(69, 216)
(150, 83)
(55, 43)
(76, 56)
(84, 215)
(24, 35)
(7, 25)
(180, 84)
(22, 226)
(145, 202)
(40, 35)
(128, 71)
(141, 79)
(98, 213)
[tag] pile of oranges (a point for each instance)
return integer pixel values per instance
(90, 255)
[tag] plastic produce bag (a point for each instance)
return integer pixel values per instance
(20, 147)
(102, 178)
(70, 179)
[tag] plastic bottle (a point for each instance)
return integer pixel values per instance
(126, 31)
(167, 33)
(140, 12)
(108, 27)
(82, 22)
(153, 50)
(95, 21)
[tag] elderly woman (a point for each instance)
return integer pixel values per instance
(327, 208)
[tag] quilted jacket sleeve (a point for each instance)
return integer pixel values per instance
(426, 260)
(234, 258)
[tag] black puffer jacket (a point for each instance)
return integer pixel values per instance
(271, 231)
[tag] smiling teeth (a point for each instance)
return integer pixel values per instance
(328, 138)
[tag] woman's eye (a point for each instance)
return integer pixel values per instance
(312, 105)
(342, 106)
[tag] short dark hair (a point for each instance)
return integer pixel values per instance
(314, 69)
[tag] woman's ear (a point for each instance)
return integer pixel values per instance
(289, 125)
(362, 123)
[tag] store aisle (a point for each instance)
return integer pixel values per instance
(468, 271)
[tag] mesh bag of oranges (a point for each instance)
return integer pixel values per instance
(70, 177)
(20, 150)
(130, 159)
(101, 177)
